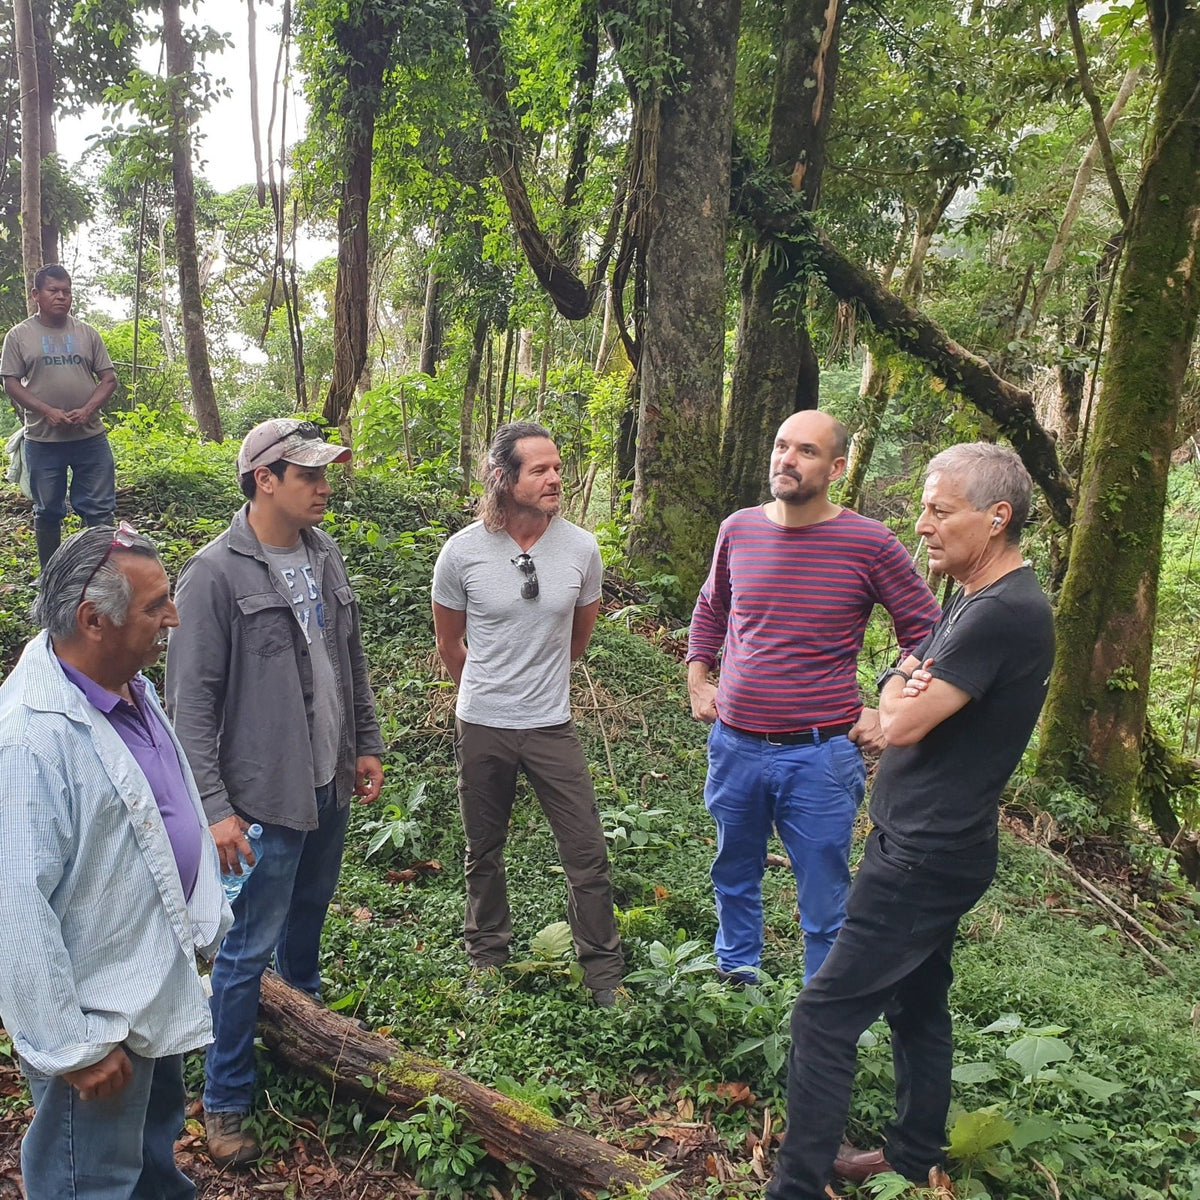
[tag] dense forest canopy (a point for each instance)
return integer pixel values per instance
(661, 227)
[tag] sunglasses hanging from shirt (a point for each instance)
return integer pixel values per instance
(524, 564)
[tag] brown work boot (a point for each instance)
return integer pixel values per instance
(228, 1144)
(940, 1184)
(857, 1166)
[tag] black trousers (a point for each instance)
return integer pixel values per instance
(892, 956)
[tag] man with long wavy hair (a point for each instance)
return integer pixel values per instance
(515, 598)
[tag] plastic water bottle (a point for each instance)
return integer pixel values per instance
(231, 882)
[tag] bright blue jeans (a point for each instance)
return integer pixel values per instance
(809, 795)
(279, 911)
(93, 479)
(118, 1147)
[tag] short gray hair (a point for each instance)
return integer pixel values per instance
(65, 582)
(989, 474)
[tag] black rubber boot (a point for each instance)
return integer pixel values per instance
(48, 534)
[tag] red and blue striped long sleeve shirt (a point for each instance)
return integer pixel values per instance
(789, 606)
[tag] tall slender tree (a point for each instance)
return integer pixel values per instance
(362, 37)
(31, 142)
(195, 342)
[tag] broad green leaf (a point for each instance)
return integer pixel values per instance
(554, 941)
(976, 1072)
(1005, 1023)
(1032, 1054)
(1034, 1129)
(378, 838)
(1093, 1085)
(745, 1046)
(975, 1133)
(888, 1186)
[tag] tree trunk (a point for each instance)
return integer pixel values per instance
(383, 1077)
(1096, 710)
(195, 344)
(775, 371)
(431, 321)
(677, 492)
(466, 418)
(487, 392)
(1098, 122)
(581, 121)
(564, 287)
(876, 391)
(505, 368)
(367, 46)
(164, 307)
(43, 40)
(31, 145)
(255, 124)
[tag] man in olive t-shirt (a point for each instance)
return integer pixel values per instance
(57, 370)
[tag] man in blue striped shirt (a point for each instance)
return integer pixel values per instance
(108, 880)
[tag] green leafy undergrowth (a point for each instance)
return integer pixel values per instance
(1075, 1062)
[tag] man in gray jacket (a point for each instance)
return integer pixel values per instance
(267, 686)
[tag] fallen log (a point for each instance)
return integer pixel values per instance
(383, 1077)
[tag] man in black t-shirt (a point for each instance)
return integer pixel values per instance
(957, 714)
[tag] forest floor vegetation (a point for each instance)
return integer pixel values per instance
(1077, 1056)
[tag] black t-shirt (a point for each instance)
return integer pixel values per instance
(997, 646)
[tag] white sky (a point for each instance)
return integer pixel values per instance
(225, 147)
(226, 150)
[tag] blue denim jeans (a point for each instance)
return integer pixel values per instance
(809, 795)
(118, 1147)
(279, 911)
(93, 479)
(892, 957)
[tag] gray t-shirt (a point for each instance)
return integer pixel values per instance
(60, 366)
(295, 573)
(517, 673)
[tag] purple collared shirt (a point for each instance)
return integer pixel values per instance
(142, 731)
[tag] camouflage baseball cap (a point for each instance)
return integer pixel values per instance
(290, 440)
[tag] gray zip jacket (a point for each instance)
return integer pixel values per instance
(239, 686)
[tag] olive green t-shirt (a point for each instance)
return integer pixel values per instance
(61, 367)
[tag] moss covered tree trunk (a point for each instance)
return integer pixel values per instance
(677, 495)
(775, 372)
(1096, 710)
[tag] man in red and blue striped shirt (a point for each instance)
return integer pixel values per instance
(788, 596)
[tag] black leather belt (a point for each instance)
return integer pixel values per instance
(799, 737)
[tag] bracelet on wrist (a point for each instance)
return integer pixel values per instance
(881, 682)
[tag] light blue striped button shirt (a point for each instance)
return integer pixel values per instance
(99, 942)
